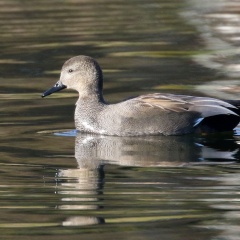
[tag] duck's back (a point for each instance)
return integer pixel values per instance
(167, 114)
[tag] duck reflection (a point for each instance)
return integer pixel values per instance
(94, 151)
(84, 186)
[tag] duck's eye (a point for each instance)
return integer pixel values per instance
(70, 70)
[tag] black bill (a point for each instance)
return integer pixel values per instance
(57, 87)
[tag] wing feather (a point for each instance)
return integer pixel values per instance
(180, 103)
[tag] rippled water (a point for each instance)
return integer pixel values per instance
(57, 184)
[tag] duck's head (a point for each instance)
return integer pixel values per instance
(81, 73)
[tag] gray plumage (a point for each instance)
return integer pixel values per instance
(150, 114)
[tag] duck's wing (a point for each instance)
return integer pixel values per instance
(164, 102)
(181, 103)
(170, 114)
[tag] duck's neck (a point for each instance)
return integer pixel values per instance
(89, 105)
(87, 98)
(88, 109)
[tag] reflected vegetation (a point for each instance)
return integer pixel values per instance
(218, 26)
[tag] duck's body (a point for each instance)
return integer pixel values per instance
(150, 114)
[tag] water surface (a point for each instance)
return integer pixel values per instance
(58, 184)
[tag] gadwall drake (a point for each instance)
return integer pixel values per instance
(150, 114)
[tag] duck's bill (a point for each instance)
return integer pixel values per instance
(57, 87)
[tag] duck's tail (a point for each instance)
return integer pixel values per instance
(235, 103)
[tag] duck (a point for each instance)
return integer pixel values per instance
(150, 114)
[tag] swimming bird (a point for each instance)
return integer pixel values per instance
(150, 114)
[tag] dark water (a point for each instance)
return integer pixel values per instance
(57, 184)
